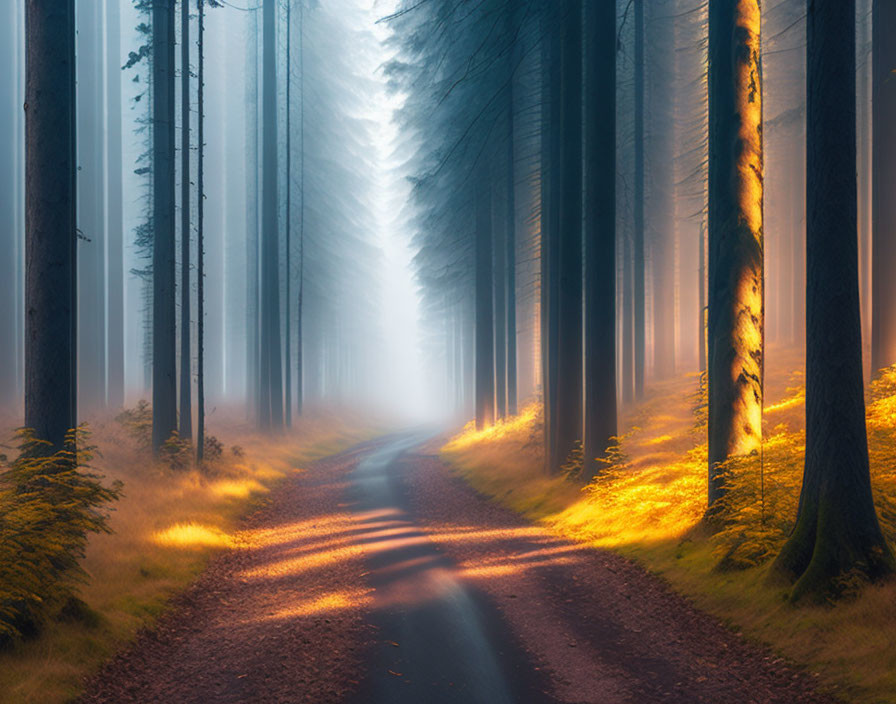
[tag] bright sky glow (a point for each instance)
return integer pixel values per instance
(404, 387)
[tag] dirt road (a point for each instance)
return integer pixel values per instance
(378, 578)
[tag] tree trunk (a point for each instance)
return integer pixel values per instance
(271, 396)
(287, 338)
(300, 368)
(9, 139)
(551, 72)
(510, 234)
(659, 194)
(600, 232)
(186, 358)
(115, 210)
(91, 210)
(200, 240)
(499, 253)
(484, 292)
(735, 322)
(164, 317)
(568, 370)
(253, 325)
(836, 531)
(638, 264)
(50, 216)
(883, 341)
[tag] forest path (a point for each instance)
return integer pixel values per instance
(376, 577)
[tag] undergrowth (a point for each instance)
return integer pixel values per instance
(649, 503)
(49, 504)
(168, 522)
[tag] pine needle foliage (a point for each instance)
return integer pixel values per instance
(49, 504)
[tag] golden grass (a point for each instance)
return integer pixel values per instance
(649, 506)
(166, 526)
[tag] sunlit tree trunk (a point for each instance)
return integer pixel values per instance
(600, 231)
(164, 318)
(837, 530)
(484, 304)
(50, 217)
(883, 338)
(735, 314)
(186, 359)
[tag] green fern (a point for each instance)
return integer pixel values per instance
(49, 504)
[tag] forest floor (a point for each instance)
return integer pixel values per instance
(378, 576)
(171, 519)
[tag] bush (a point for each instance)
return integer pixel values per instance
(177, 453)
(49, 504)
(138, 422)
(213, 450)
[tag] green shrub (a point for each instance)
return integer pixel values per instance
(49, 504)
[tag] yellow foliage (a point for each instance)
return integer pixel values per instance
(649, 504)
(192, 535)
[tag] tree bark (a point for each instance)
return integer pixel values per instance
(735, 313)
(164, 317)
(837, 531)
(883, 336)
(600, 232)
(50, 216)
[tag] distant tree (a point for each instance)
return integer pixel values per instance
(300, 340)
(837, 531)
(115, 210)
(50, 229)
(200, 234)
(600, 231)
(92, 203)
(883, 319)
(164, 367)
(9, 225)
(484, 297)
(270, 412)
(735, 314)
(185, 429)
(638, 262)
